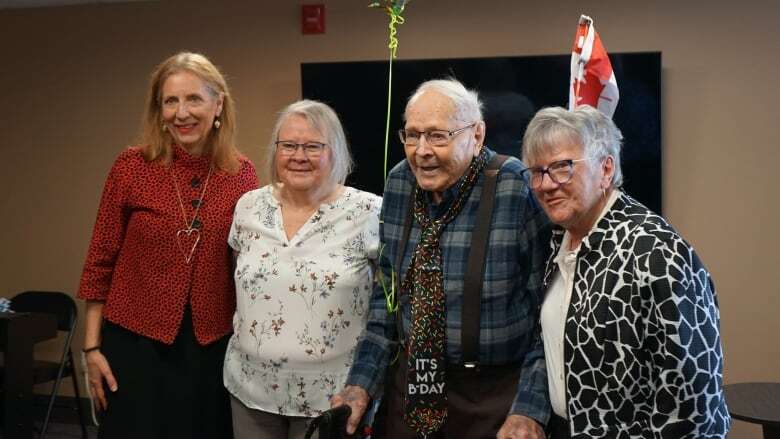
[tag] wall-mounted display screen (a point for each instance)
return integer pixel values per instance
(512, 89)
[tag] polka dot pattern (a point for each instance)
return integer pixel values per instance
(134, 263)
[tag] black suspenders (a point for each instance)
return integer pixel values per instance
(475, 266)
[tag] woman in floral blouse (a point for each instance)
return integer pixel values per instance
(305, 248)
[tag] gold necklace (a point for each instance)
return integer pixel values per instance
(189, 235)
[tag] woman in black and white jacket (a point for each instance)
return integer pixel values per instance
(630, 318)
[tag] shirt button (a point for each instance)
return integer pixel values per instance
(197, 203)
(195, 182)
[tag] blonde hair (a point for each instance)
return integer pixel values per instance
(157, 143)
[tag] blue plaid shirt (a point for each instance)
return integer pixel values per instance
(511, 293)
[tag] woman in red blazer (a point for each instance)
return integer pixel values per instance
(157, 278)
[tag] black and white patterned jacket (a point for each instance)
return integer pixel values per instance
(642, 349)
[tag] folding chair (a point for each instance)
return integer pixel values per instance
(64, 307)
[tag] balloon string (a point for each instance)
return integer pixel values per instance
(387, 119)
(395, 19)
(390, 297)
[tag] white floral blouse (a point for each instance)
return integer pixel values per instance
(301, 303)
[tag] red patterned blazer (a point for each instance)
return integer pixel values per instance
(136, 263)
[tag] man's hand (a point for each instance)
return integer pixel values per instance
(520, 427)
(357, 399)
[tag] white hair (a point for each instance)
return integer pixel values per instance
(323, 119)
(468, 107)
(596, 133)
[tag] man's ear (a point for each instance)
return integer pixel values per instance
(479, 137)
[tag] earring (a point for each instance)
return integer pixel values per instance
(217, 123)
(164, 128)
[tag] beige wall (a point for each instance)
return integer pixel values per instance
(73, 81)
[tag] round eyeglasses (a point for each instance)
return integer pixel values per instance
(433, 137)
(560, 172)
(312, 150)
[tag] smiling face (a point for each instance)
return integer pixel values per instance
(189, 108)
(298, 172)
(576, 204)
(437, 168)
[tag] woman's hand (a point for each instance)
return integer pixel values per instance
(99, 370)
(357, 399)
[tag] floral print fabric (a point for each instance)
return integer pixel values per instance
(301, 302)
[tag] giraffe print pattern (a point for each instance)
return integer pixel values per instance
(642, 349)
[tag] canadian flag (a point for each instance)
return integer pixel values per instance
(592, 79)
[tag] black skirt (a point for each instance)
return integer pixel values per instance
(164, 390)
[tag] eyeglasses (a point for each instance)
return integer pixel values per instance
(433, 137)
(560, 172)
(312, 150)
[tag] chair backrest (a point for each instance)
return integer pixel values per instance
(49, 302)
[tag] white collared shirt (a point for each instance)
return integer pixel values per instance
(554, 311)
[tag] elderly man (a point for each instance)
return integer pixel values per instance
(470, 362)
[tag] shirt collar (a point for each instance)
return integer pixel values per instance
(561, 236)
(182, 157)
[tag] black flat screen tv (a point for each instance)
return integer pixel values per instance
(512, 89)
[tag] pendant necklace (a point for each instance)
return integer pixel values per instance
(189, 236)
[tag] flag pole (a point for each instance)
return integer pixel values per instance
(587, 22)
(579, 81)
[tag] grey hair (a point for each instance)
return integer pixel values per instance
(322, 118)
(596, 133)
(468, 107)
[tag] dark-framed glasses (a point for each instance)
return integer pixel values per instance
(433, 137)
(311, 149)
(560, 172)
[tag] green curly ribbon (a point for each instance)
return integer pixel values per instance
(394, 10)
(390, 298)
(395, 18)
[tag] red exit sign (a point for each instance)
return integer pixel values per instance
(313, 19)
